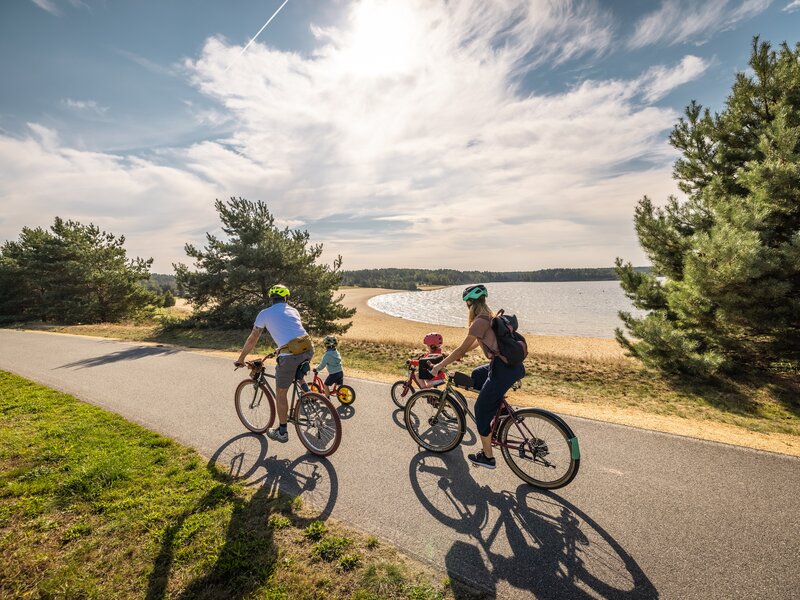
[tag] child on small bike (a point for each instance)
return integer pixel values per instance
(433, 341)
(333, 361)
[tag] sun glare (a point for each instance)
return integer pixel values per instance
(383, 39)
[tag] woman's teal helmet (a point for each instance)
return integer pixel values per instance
(473, 292)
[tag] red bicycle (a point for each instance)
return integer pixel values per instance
(343, 393)
(402, 389)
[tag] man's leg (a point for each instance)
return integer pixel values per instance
(283, 405)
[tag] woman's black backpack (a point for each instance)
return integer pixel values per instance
(512, 345)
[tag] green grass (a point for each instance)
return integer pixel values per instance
(93, 506)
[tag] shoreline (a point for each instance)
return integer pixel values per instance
(375, 326)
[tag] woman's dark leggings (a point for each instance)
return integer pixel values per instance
(493, 380)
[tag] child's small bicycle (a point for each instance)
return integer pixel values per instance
(343, 393)
(402, 389)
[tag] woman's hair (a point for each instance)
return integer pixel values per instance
(479, 307)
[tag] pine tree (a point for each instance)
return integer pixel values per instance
(73, 273)
(724, 292)
(233, 276)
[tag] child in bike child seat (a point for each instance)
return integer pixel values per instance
(333, 361)
(434, 354)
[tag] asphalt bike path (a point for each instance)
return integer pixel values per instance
(649, 515)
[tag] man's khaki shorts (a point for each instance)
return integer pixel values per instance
(287, 367)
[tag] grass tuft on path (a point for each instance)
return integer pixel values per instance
(93, 506)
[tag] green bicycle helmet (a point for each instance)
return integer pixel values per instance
(473, 292)
(278, 291)
(330, 341)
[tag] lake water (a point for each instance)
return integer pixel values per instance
(579, 308)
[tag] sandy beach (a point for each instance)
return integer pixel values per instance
(375, 326)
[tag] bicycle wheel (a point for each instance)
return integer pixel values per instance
(433, 429)
(346, 394)
(317, 424)
(401, 391)
(254, 405)
(540, 448)
(314, 388)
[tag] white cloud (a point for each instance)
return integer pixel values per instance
(680, 21)
(85, 105)
(48, 5)
(792, 6)
(394, 150)
(661, 80)
(157, 208)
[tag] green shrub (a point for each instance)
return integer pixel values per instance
(331, 548)
(315, 530)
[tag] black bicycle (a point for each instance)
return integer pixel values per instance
(315, 419)
(538, 445)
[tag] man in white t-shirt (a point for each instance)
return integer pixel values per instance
(294, 348)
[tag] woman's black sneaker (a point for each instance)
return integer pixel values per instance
(480, 460)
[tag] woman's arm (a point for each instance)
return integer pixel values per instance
(468, 344)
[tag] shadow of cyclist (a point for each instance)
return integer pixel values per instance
(529, 539)
(248, 555)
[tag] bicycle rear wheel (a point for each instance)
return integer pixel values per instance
(434, 429)
(346, 394)
(540, 448)
(401, 392)
(254, 405)
(317, 424)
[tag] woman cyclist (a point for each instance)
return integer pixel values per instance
(493, 379)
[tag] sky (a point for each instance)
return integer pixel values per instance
(470, 134)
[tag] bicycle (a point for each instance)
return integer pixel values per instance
(343, 393)
(315, 419)
(402, 388)
(436, 420)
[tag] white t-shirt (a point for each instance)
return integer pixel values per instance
(282, 321)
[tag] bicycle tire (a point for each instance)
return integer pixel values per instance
(400, 392)
(314, 388)
(249, 399)
(309, 413)
(551, 436)
(346, 395)
(421, 411)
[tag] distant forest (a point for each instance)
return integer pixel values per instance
(161, 283)
(410, 279)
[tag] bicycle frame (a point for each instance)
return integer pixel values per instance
(296, 390)
(332, 390)
(504, 405)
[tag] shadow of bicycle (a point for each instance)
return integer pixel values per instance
(248, 552)
(528, 539)
(120, 355)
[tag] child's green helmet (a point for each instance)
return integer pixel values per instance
(473, 292)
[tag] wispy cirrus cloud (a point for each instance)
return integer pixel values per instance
(681, 21)
(792, 6)
(85, 105)
(661, 80)
(48, 6)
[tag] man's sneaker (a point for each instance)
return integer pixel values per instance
(275, 434)
(480, 460)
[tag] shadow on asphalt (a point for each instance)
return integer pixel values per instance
(113, 357)
(346, 411)
(248, 551)
(532, 539)
(469, 439)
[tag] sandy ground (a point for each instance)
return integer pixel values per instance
(370, 324)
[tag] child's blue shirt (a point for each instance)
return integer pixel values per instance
(331, 359)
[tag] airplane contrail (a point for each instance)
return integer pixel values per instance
(263, 27)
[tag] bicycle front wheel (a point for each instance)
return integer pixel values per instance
(254, 405)
(317, 424)
(540, 448)
(401, 391)
(436, 424)
(346, 394)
